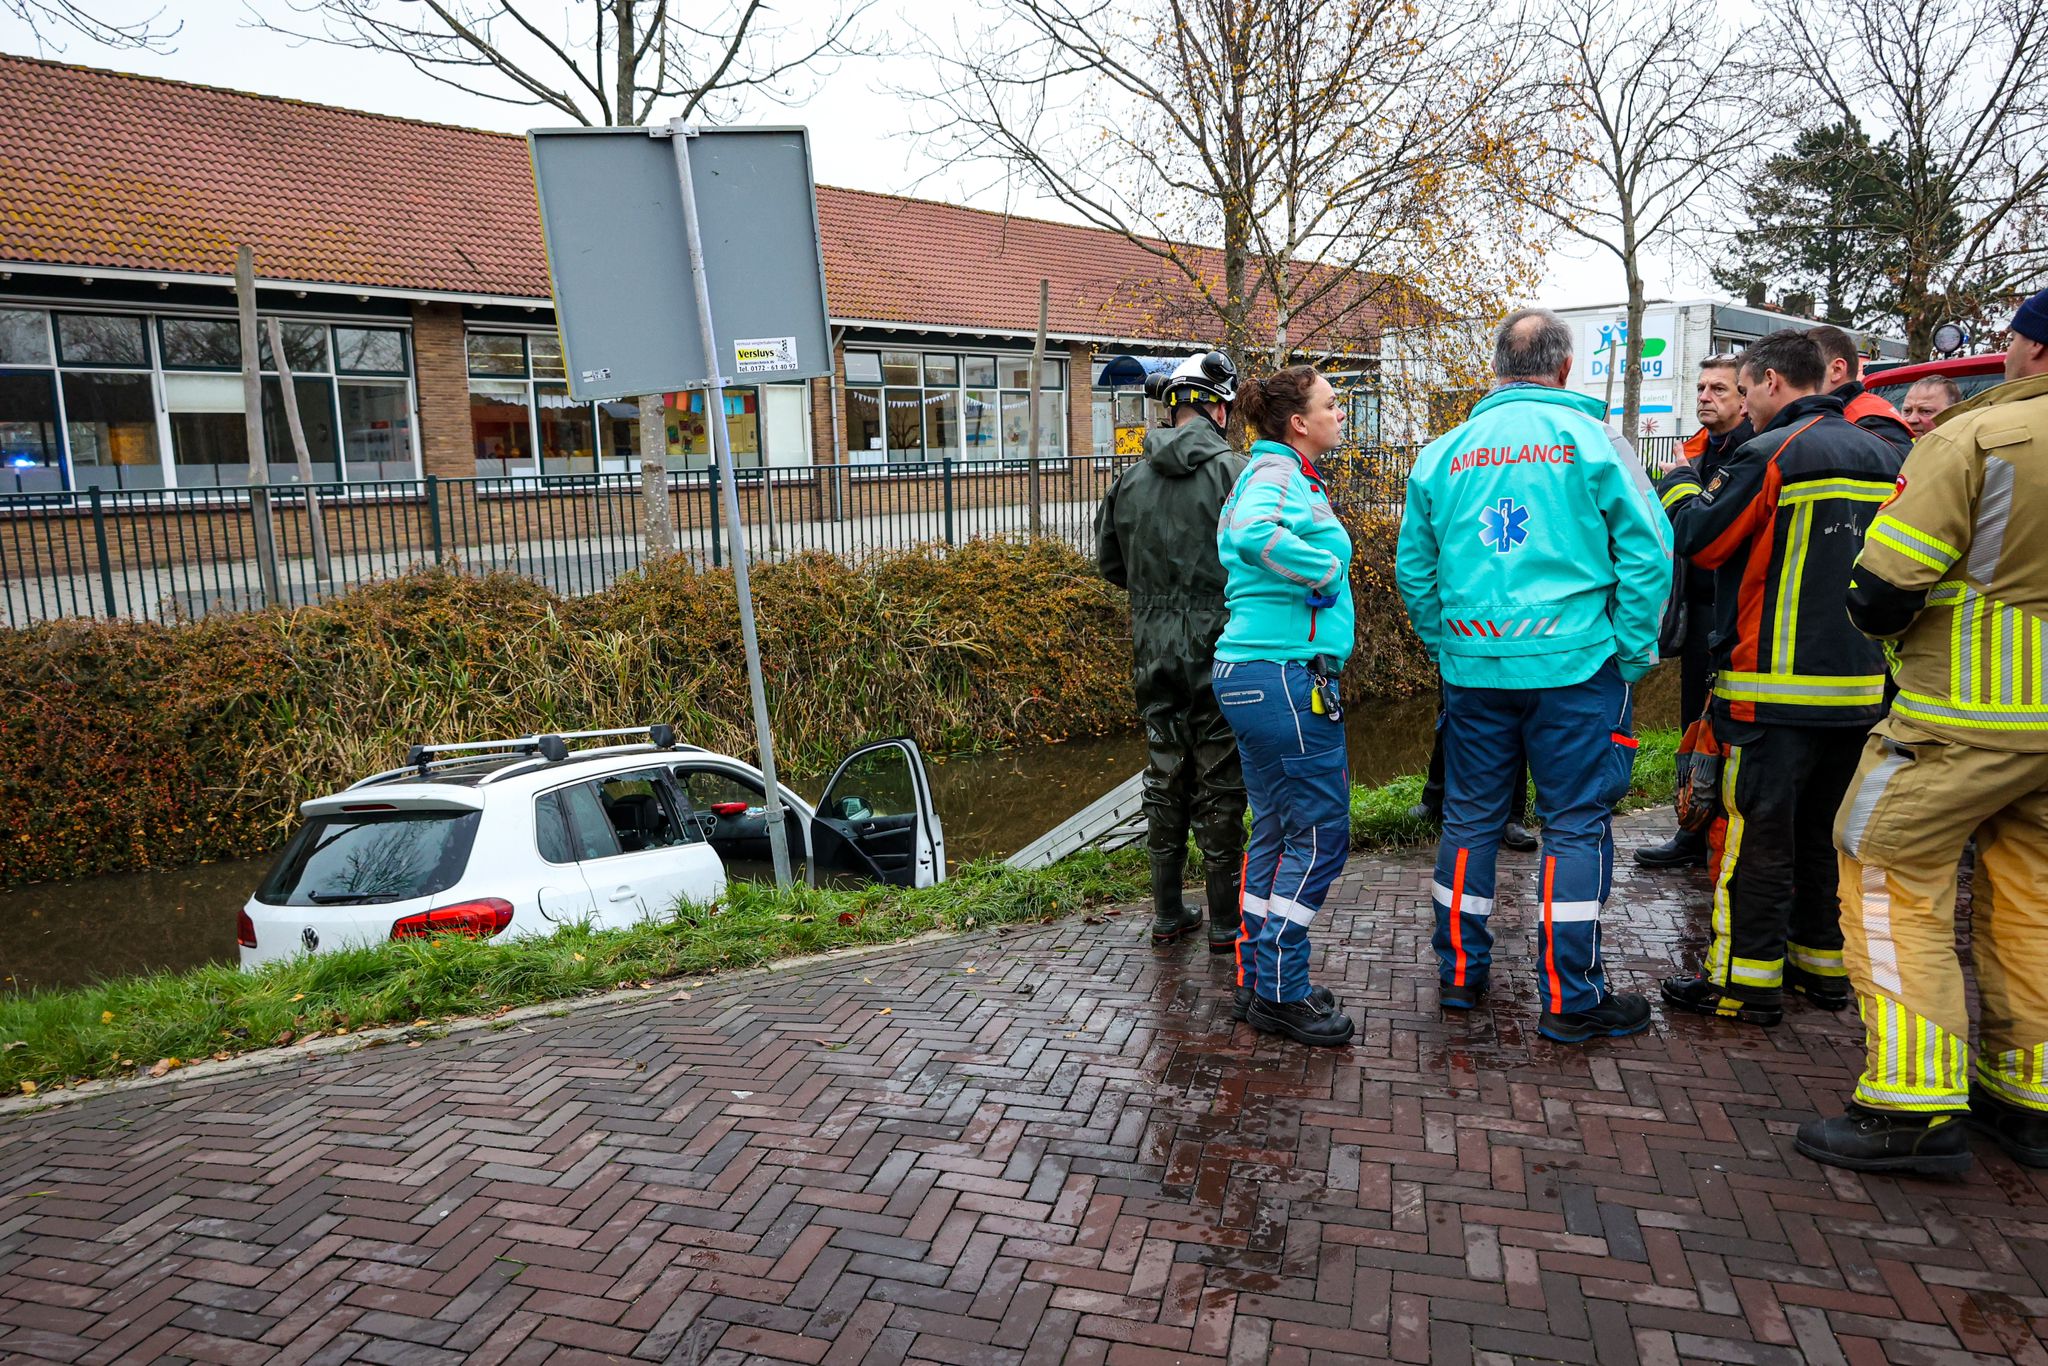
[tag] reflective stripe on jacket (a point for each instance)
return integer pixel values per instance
(1969, 527)
(1780, 525)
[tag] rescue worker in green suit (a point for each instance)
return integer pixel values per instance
(1155, 534)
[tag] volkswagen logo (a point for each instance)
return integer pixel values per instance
(310, 939)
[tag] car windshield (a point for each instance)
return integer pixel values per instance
(372, 858)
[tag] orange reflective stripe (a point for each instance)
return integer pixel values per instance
(1457, 917)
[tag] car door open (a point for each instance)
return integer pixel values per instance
(877, 822)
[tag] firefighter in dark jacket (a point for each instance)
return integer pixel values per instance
(1796, 685)
(1844, 379)
(1155, 534)
(1724, 428)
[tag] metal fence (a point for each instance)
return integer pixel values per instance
(182, 554)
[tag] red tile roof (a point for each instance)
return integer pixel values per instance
(101, 168)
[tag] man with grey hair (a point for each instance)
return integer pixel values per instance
(1535, 565)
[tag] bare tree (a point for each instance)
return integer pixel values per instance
(599, 62)
(1647, 86)
(1957, 92)
(45, 18)
(1289, 164)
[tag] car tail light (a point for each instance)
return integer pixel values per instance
(479, 919)
(245, 930)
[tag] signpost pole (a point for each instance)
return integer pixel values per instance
(680, 134)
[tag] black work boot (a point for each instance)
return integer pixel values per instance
(1701, 996)
(1887, 1141)
(1516, 836)
(2023, 1133)
(1685, 849)
(1172, 917)
(1225, 896)
(1306, 1021)
(1241, 1000)
(1465, 997)
(1621, 1014)
(1829, 993)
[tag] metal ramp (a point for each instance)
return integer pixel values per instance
(1114, 820)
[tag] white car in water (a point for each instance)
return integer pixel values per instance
(517, 838)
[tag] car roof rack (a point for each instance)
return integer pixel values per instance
(516, 755)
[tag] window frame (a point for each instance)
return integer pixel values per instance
(661, 785)
(1054, 379)
(154, 372)
(604, 458)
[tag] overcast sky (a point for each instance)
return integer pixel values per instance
(859, 126)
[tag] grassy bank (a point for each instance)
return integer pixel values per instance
(128, 1027)
(165, 1021)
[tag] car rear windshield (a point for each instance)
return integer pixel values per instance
(371, 858)
(1971, 386)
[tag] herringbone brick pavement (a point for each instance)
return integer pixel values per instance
(1045, 1146)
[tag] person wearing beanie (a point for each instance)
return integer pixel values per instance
(1953, 578)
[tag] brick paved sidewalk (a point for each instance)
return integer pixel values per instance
(1049, 1146)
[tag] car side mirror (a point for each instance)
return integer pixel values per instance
(854, 809)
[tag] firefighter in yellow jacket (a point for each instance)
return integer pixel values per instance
(1954, 572)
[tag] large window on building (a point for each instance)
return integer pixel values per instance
(109, 400)
(523, 420)
(907, 407)
(98, 400)
(689, 434)
(207, 408)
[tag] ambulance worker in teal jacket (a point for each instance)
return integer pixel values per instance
(1535, 564)
(1288, 561)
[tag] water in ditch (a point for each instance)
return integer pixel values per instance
(63, 934)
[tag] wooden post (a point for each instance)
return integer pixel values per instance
(323, 568)
(252, 413)
(1031, 426)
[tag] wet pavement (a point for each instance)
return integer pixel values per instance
(1050, 1145)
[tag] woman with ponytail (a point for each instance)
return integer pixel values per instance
(1288, 561)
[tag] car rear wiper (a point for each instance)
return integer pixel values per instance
(350, 898)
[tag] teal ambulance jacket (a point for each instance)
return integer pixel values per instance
(1532, 547)
(1281, 544)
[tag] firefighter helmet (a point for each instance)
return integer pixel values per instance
(1205, 377)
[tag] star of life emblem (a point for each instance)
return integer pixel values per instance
(1503, 525)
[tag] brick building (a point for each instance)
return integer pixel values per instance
(405, 261)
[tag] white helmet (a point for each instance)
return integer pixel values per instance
(1205, 377)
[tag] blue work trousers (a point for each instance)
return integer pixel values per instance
(1580, 745)
(1299, 788)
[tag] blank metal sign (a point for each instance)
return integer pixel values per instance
(612, 213)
